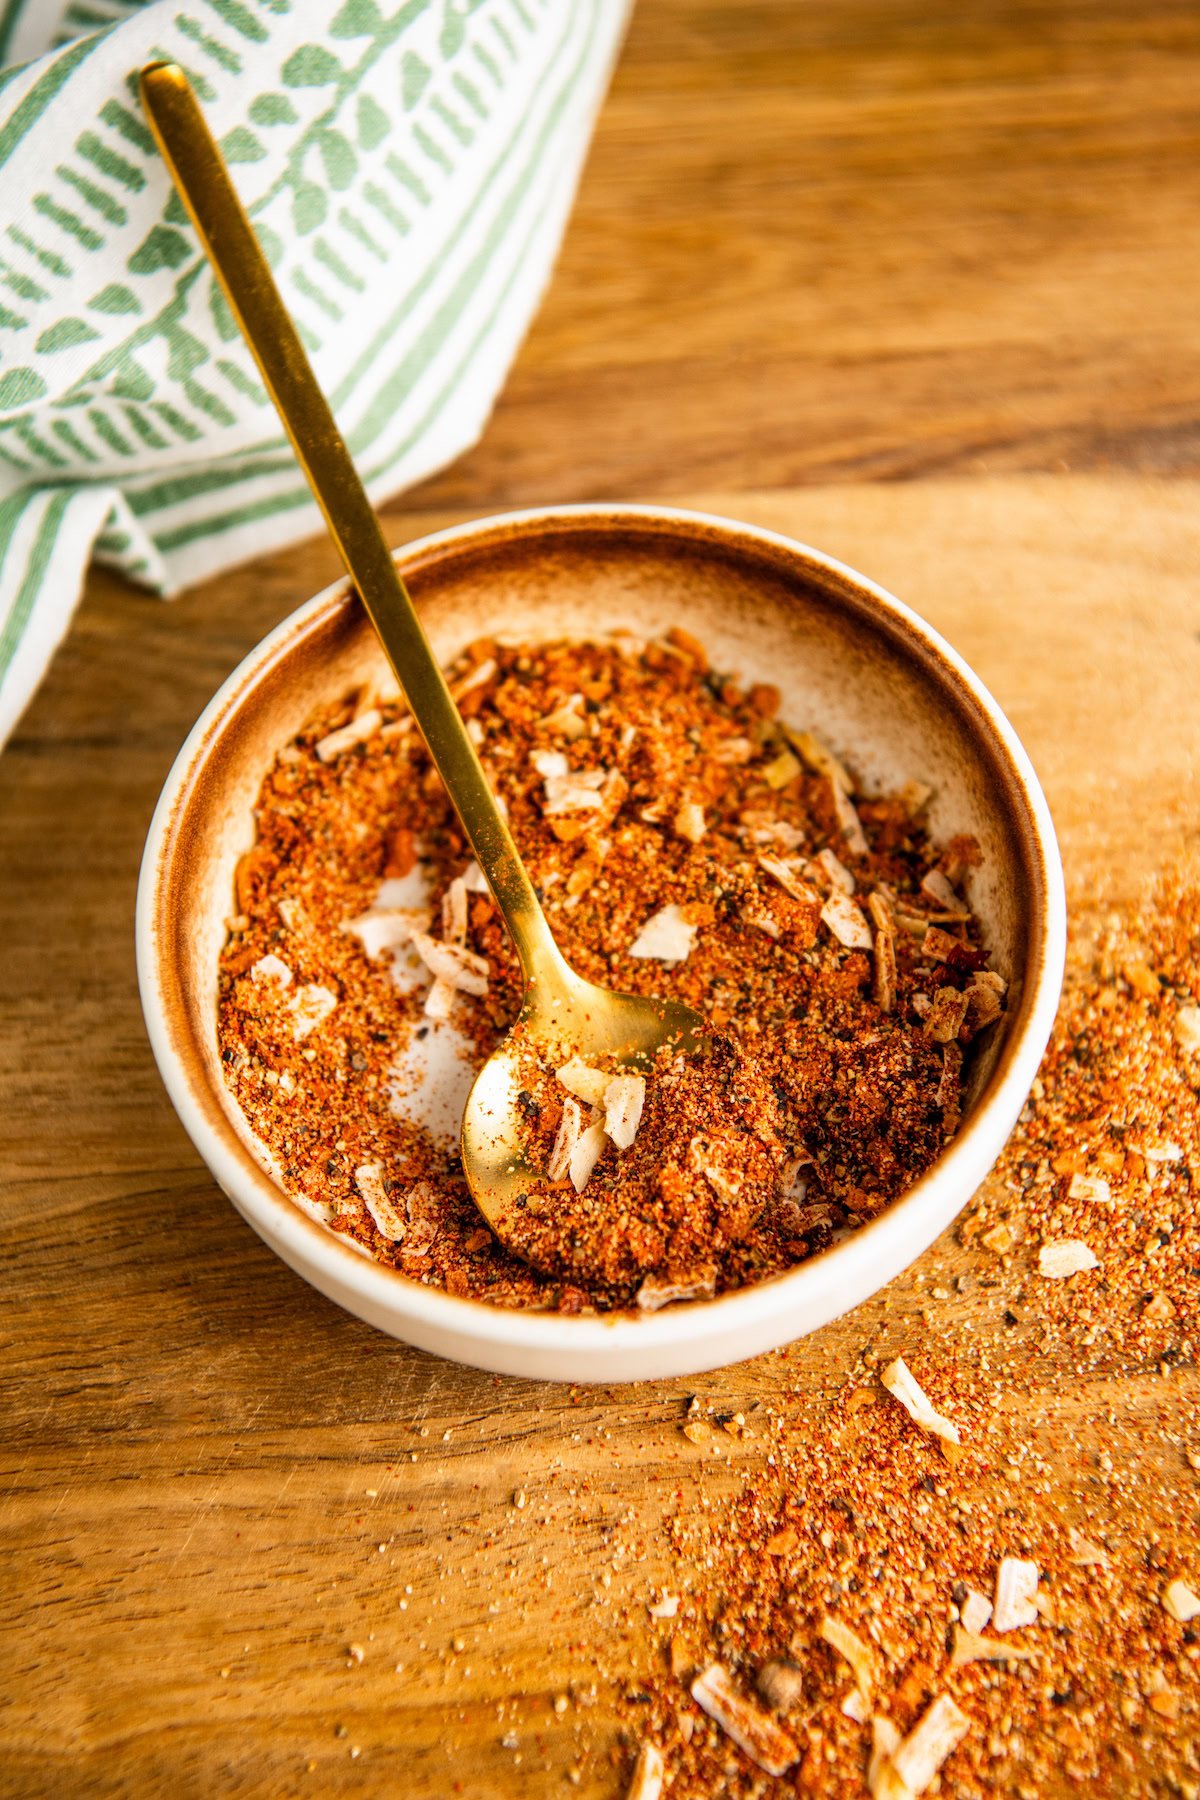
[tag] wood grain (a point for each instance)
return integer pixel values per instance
(869, 240)
(821, 242)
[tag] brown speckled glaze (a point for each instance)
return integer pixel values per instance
(854, 666)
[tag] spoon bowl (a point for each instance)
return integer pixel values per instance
(563, 1015)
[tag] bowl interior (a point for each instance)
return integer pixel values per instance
(853, 667)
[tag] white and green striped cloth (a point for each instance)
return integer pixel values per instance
(408, 165)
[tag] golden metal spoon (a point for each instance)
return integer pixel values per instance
(561, 1013)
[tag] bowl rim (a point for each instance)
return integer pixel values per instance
(819, 1288)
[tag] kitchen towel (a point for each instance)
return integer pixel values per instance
(409, 168)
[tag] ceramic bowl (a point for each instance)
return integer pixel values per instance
(855, 666)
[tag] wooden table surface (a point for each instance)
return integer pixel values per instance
(914, 281)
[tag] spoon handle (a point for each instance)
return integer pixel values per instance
(225, 231)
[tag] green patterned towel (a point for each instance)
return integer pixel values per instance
(408, 167)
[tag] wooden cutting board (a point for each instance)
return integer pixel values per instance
(216, 1482)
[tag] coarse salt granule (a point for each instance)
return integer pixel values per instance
(567, 719)
(310, 1006)
(935, 885)
(454, 912)
(752, 1730)
(461, 968)
(1016, 1595)
(788, 875)
(782, 771)
(578, 791)
(944, 1020)
(368, 1179)
(921, 1754)
(763, 828)
(356, 732)
(585, 1155)
(1092, 1188)
(587, 1084)
(835, 871)
(1187, 1030)
(271, 969)
(975, 1611)
(900, 1381)
(666, 937)
(855, 1706)
(819, 759)
(474, 678)
(689, 822)
(1066, 1256)
(646, 1781)
(570, 1130)
(850, 1646)
(882, 1781)
(885, 951)
(845, 920)
(624, 1099)
(655, 1293)
(1179, 1600)
(439, 1001)
(386, 929)
(969, 1646)
(848, 820)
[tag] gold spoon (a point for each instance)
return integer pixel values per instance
(561, 1014)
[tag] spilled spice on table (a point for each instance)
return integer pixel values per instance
(1023, 1604)
(687, 839)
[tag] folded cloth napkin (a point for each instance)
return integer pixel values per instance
(408, 166)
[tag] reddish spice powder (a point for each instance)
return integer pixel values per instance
(638, 783)
(844, 1509)
(707, 1165)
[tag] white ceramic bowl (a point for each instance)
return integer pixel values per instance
(855, 665)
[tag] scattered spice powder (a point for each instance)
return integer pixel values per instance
(854, 1513)
(686, 843)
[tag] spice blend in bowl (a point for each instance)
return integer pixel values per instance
(686, 839)
(306, 897)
